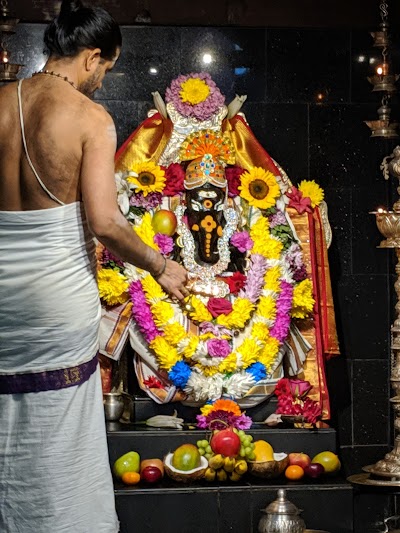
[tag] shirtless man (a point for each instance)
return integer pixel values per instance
(57, 189)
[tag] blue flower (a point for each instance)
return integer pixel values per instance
(179, 374)
(258, 371)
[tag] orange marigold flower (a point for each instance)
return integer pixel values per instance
(227, 405)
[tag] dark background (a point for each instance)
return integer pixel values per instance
(283, 55)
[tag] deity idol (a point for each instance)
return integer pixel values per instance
(254, 246)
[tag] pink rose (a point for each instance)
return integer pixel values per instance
(219, 306)
(174, 175)
(218, 347)
(233, 178)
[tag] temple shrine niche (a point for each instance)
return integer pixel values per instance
(197, 185)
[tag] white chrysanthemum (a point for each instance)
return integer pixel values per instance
(239, 384)
(202, 388)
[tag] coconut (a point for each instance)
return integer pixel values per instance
(269, 469)
(184, 476)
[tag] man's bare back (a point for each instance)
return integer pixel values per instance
(58, 121)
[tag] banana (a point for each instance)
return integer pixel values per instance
(229, 464)
(216, 462)
(241, 467)
(222, 475)
(210, 474)
(235, 476)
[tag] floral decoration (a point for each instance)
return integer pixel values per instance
(221, 414)
(214, 347)
(293, 400)
(195, 95)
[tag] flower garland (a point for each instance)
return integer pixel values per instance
(239, 336)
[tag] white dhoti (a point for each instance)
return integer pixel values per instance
(54, 468)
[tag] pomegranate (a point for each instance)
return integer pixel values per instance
(225, 442)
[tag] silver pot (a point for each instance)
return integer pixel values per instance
(387, 530)
(114, 406)
(282, 516)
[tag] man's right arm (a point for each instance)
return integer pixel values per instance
(104, 216)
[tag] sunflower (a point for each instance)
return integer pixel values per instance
(313, 191)
(150, 177)
(194, 91)
(259, 187)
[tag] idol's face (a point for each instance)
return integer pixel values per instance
(204, 211)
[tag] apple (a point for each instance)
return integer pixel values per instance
(164, 221)
(300, 459)
(151, 474)
(314, 470)
(225, 442)
(152, 462)
(130, 462)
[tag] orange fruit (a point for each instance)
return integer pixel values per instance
(329, 460)
(263, 451)
(130, 478)
(294, 472)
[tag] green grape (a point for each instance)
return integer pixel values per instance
(241, 433)
(199, 444)
(250, 437)
(246, 441)
(252, 456)
(204, 443)
(242, 452)
(208, 449)
(247, 450)
(202, 451)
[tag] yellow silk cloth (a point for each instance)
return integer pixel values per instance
(146, 143)
(320, 331)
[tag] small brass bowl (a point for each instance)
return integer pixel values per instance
(269, 469)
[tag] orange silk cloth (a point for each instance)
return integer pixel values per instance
(320, 330)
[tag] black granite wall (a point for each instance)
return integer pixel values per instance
(307, 99)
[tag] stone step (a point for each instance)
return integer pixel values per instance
(152, 442)
(231, 508)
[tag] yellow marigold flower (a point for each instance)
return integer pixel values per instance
(167, 356)
(206, 409)
(151, 177)
(199, 312)
(240, 314)
(162, 312)
(228, 365)
(249, 350)
(208, 371)
(269, 352)
(272, 278)
(260, 331)
(268, 247)
(113, 286)
(152, 289)
(227, 405)
(145, 231)
(194, 91)
(260, 229)
(303, 301)
(174, 333)
(267, 307)
(191, 347)
(312, 190)
(259, 187)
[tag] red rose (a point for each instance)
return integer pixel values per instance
(235, 282)
(233, 178)
(174, 175)
(219, 306)
(298, 201)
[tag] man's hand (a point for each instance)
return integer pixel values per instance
(173, 280)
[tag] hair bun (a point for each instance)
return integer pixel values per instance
(68, 7)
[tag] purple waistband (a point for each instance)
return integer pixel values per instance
(48, 380)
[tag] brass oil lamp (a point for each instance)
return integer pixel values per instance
(8, 23)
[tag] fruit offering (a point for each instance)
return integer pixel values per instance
(129, 462)
(185, 464)
(222, 468)
(151, 470)
(329, 460)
